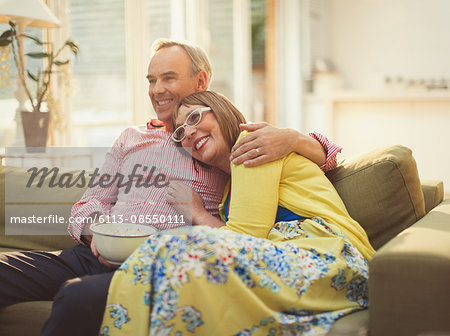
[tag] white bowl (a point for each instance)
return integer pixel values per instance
(116, 241)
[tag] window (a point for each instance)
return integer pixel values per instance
(100, 108)
(115, 38)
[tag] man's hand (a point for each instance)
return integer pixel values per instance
(268, 143)
(87, 238)
(99, 257)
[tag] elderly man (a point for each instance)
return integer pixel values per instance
(78, 278)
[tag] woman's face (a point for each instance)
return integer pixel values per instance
(205, 138)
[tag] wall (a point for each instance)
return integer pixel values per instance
(371, 39)
(367, 41)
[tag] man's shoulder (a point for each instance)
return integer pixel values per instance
(143, 130)
(140, 134)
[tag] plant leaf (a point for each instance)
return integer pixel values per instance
(59, 63)
(4, 42)
(6, 38)
(8, 33)
(38, 55)
(73, 46)
(35, 39)
(33, 77)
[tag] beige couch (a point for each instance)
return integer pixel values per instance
(406, 220)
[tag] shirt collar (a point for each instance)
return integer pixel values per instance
(156, 124)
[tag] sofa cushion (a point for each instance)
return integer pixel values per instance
(354, 324)
(16, 199)
(433, 192)
(381, 190)
(409, 278)
(25, 318)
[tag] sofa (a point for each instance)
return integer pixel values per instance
(406, 219)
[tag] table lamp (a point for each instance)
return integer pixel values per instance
(25, 13)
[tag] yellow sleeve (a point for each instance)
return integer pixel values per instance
(254, 198)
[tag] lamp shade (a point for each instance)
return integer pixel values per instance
(34, 13)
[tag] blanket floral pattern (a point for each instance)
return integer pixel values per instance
(206, 281)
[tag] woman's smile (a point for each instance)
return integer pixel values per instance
(200, 142)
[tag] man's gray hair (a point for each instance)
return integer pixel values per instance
(199, 58)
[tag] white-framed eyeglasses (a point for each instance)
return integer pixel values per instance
(193, 119)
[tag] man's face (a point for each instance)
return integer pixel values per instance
(171, 79)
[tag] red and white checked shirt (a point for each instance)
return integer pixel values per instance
(151, 146)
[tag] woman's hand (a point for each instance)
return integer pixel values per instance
(185, 200)
(189, 204)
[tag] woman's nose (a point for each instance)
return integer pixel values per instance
(189, 131)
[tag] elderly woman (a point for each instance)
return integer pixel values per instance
(287, 258)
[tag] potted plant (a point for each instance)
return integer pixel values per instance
(35, 123)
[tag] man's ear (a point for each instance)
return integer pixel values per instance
(202, 81)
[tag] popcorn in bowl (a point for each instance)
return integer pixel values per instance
(116, 241)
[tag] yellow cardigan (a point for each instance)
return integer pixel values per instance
(296, 184)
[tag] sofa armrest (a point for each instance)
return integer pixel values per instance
(433, 193)
(409, 279)
(381, 190)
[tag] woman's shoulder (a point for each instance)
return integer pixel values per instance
(298, 160)
(242, 134)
